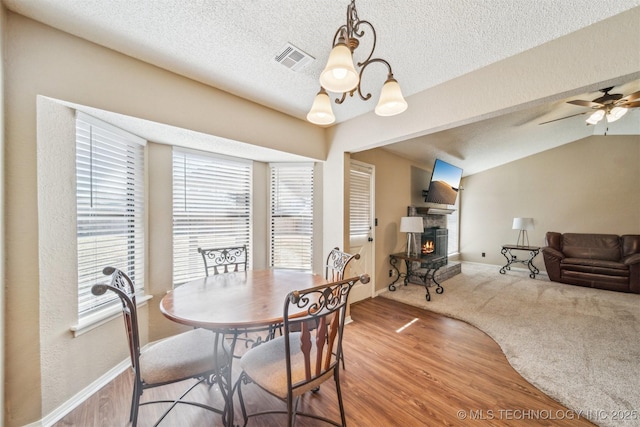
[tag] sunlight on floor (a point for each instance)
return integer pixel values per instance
(406, 326)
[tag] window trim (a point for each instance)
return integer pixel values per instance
(99, 317)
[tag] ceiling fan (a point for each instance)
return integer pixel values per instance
(610, 105)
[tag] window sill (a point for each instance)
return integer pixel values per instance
(101, 317)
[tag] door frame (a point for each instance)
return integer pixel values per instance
(372, 199)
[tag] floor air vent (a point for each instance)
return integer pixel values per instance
(293, 58)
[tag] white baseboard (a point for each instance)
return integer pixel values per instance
(71, 404)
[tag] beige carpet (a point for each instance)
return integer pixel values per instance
(580, 346)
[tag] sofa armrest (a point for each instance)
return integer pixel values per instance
(552, 253)
(552, 258)
(631, 259)
(554, 240)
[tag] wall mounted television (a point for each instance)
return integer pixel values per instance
(444, 184)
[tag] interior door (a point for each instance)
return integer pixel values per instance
(361, 223)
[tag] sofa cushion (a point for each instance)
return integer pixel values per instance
(594, 266)
(600, 281)
(591, 246)
(595, 263)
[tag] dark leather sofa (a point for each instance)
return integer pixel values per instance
(604, 261)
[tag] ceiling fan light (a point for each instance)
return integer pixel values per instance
(321, 113)
(391, 101)
(339, 75)
(616, 113)
(595, 117)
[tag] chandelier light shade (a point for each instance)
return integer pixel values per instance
(321, 113)
(340, 75)
(391, 101)
(343, 77)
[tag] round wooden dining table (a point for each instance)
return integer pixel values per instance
(233, 303)
(238, 300)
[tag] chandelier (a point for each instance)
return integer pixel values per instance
(340, 75)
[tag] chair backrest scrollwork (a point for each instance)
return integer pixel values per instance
(337, 262)
(224, 260)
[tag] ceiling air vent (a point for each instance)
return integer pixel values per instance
(293, 58)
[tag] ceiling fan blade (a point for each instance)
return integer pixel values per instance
(634, 104)
(629, 98)
(582, 103)
(562, 118)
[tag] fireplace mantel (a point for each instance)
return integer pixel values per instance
(432, 210)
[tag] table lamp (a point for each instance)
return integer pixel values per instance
(410, 225)
(524, 225)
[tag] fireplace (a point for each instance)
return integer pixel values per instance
(434, 241)
(435, 233)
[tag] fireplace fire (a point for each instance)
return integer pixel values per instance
(434, 241)
(428, 247)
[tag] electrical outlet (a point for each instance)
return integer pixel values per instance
(390, 273)
(483, 254)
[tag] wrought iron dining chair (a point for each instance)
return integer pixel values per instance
(335, 267)
(224, 260)
(191, 354)
(306, 355)
(337, 262)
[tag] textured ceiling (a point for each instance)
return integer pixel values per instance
(492, 142)
(230, 44)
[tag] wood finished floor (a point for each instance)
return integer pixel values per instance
(436, 371)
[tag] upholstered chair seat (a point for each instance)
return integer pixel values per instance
(266, 365)
(181, 356)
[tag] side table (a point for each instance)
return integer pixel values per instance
(429, 262)
(512, 259)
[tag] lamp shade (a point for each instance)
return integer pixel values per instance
(616, 113)
(391, 101)
(339, 75)
(411, 224)
(321, 113)
(595, 117)
(523, 224)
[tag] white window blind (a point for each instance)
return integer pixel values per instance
(110, 207)
(359, 200)
(211, 208)
(292, 216)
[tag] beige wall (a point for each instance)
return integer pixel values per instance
(43, 61)
(588, 186)
(2, 215)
